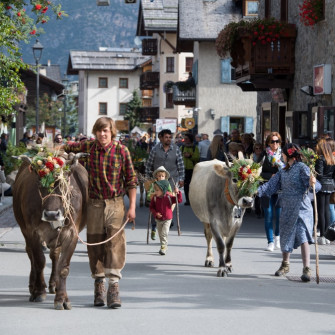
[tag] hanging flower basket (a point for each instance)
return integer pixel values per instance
(259, 31)
(311, 12)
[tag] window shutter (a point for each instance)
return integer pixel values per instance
(249, 124)
(225, 71)
(195, 72)
(225, 124)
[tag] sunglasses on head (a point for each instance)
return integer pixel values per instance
(275, 141)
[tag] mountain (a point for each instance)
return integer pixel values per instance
(87, 27)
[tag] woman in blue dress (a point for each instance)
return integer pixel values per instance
(296, 219)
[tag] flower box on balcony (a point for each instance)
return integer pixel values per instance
(262, 52)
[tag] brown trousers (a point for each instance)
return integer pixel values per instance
(104, 218)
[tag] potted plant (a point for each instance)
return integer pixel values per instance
(259, 31)
(311, 12)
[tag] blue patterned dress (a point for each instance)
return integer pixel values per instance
(296, 219)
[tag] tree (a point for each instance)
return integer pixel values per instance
(132, 113)
(16, 26)
(132, 110)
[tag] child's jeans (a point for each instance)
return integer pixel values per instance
(163, 228)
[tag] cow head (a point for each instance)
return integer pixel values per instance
(54, 185)
(231, 190)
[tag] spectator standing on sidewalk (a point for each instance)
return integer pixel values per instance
(203, 147)
(325, 173)
(191, 157)
(273, 163)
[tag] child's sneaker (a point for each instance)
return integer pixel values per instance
(153, 235)
(163, 250)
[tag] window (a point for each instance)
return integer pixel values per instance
(267, 9)
(123, 83)
(227, 71)
(169, 100)
(170, 64)
(103, 82)
(250, 7)
(283, 10)
(102, 108)
(188, 64)
(123, 108)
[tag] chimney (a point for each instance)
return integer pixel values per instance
(49, 62)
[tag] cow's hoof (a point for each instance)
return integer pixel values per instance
(60, 306)
(209, 264)
(38, 298)
(52, 289)
(222, 272)
(229, 268)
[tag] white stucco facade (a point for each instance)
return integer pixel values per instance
(91, 95)
(227, 100)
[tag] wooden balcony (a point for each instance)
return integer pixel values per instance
(149, 47)
(149, 80)
(185, 97)
(148, 114)
(263, 66)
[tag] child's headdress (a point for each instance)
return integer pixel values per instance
(163, 185)
(161, 169)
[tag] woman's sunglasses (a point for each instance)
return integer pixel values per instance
(275, 141)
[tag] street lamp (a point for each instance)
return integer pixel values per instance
(65, 82)
(37, 51)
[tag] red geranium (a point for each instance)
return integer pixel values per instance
(33, 32)
(38, 7)
(311, 12)
(49, 165)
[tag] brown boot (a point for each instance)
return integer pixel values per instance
(284, 268)
(99, 292)
(113, 297)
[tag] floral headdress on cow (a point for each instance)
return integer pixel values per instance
(247, 173)
(49, 167)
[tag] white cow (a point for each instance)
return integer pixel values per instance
(214, 200)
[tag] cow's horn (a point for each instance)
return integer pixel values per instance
(240, 155)
(23, 158)
(226, 159)
(78, 156)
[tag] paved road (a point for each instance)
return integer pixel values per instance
(174, 294)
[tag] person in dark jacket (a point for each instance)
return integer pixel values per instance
(273, 162)
(325, 173)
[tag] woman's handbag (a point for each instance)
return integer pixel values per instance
(332, 198)
(330, 232)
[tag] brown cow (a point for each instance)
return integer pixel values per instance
(40, 215)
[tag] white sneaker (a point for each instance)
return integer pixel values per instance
(270, 247)
(327, 241)
(277, 242)
(321, 240)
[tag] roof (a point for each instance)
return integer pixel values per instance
(52, 71)
(117, 60)
(204, 19)
(157, 16)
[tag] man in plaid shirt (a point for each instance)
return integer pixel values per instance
(111, 175)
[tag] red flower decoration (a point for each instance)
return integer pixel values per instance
(291, 151)
(59, 161)
(49, 165)
(33, 32)
(44, 9)
(9, 7)
(38, 7)
(311, 12)
(42, 173)
(18, 14)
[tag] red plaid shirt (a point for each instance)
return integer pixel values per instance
(110, 169)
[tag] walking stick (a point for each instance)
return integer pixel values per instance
(149, 221)
(315, 237)
(177, 207)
